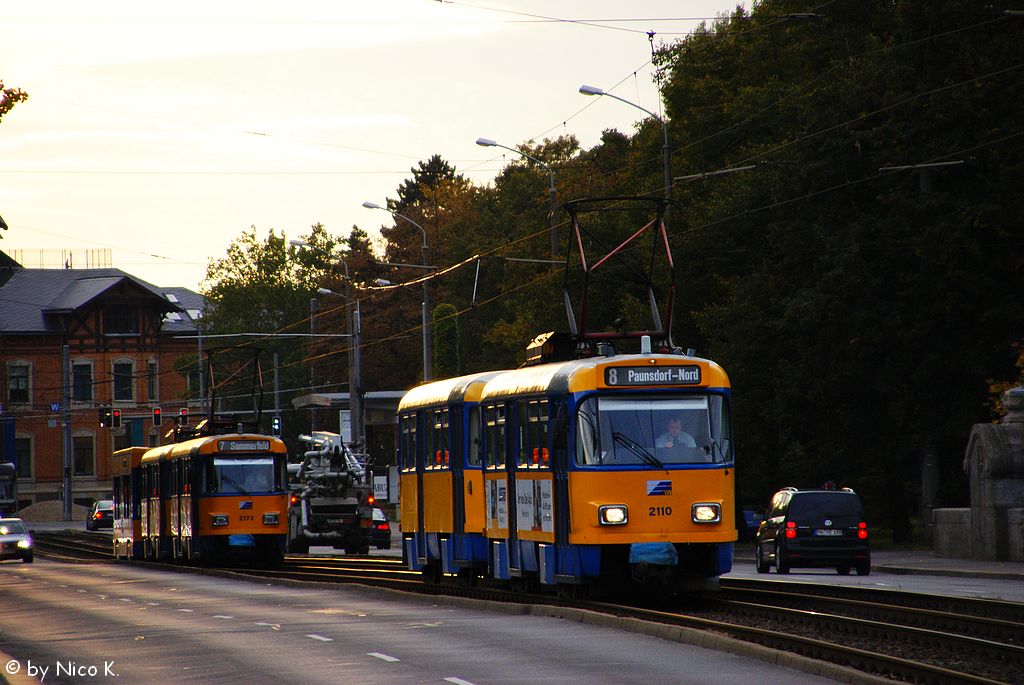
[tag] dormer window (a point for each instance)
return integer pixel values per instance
(120, 320)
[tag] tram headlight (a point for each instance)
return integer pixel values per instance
(271, 518)
(613, 514)
(706, 512)
(219, 519)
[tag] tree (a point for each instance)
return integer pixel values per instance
(8, 98)
(446, 341)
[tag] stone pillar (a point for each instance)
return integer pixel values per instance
(994, 462)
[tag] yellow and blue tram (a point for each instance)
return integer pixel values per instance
(566, 474)
(213, 499)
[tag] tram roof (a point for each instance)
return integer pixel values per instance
(208, 445)
(587, 374)
(459, 389)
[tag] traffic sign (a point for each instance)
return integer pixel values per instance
(54, 406)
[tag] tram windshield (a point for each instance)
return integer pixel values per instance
(620, 431)
(242, 476)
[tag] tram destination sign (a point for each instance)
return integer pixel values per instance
(244, 445)
(624, 376)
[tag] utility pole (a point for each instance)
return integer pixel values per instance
(65, 368)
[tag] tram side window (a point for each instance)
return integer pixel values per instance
(407, 442)
(476, 445)
(494, 435)
(439, 455)
(533, 434)
(587, 434)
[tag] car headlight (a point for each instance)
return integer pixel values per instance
(219, 519)
(706, 512)
(613, 514)
(271, 518)
(24, 544)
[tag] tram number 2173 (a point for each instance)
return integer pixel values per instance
(659, 511)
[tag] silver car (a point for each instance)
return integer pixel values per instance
(15, 540)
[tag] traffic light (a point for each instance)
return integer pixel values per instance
(104, 417)
(183, 416)
(275, 426)
(115, 418)
(157, 418)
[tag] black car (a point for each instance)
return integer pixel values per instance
(814, 528)
(381, 535)
(101, 515)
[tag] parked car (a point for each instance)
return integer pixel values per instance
(101, 515)
(814, 528)
(381, 536)
(15, 540)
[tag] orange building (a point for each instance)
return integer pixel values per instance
(128, 346)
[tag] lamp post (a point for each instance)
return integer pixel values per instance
(487, 142)
(594, 90)
(355, 381)
(427, 372)
(352, 318)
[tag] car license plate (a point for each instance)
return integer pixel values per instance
(828, 532)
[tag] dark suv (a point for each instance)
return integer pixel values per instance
(823, 528)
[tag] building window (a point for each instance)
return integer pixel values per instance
(81, 382)
(19, 383)
(120, 320)
(151, 376)
(123, 372)
(23, 456)
(84, 452)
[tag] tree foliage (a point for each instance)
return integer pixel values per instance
(857, 269)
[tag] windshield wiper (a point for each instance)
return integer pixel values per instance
(231, 480)
(638, 450)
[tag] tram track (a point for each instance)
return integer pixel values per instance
(905, 637)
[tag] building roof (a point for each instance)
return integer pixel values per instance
(30, 297)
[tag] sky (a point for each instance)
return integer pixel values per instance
(154, 135)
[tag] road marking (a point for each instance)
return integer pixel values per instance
(321, 638)
(457, 681)
(275, 626)
(382, 657)
(188, 611)
(126, 599)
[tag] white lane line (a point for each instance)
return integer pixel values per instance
(321, 638)
(275, 626)
(188, 611)
(153, 604)
(225, 618)
(457, 681)
(126, 599)
(382, 657)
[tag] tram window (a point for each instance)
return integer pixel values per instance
(476, 446)
(407, 442)
(241, 475)
(679, 429)
(494, 435)
(533, 433)
(438, 453)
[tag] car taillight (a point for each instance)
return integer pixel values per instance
(790, 529)
(862, 530)
(382, 526)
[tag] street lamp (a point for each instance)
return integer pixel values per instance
(487, 142)
(594, 90)
(355, 380)
(354, 355)
(427, 373)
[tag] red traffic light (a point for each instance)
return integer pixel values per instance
(157, 417)
(115, 418)
(183, 416)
